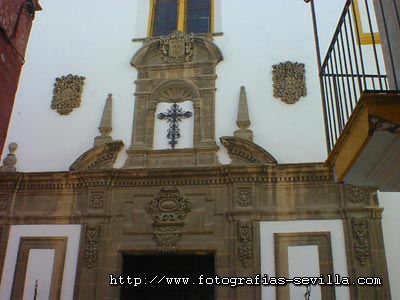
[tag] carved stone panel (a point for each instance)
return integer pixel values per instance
(67, 93)
(92, 241)
(168, 211)
(289, 81)
(96, 200)
(361, 243)
(356, 194)
(245, 241)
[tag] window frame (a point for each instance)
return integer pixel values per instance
(182, 12)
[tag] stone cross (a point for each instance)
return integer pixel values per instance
(174, 115)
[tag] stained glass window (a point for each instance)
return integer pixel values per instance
(198, 16)
(165, 17)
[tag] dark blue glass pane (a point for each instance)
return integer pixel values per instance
(165, 17)
(198, 16)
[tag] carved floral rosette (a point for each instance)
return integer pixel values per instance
(168, 211)
(177, 47)
(289, 81)
(67, 93)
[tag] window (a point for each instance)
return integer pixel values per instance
(165, 17)
(184, 15)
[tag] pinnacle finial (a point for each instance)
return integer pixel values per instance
(10, 160)
(105, 127)
(243, 120)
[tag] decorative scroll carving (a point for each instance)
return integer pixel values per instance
(96, 200)
(245, 238)
(92, 241)
(361, 244)
(168, 211)
(174, 115)
(100, 157)
(244, 151)
(355, 194)
(244, 197)
(67, 93)
(289, 81)
(177, 47)
(378, 124)
(3, 202)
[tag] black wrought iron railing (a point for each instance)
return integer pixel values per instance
(353, 65)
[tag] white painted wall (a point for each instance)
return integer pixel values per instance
(93, 39)
(71, 258)
(335, 227)
(304, 262)
(390, 223)
(39, 270)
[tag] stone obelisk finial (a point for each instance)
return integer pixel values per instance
(105, 127)
(10, 160)
(243, 121)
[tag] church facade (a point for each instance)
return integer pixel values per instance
(212, 177)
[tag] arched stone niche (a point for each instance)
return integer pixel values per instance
(173, 69)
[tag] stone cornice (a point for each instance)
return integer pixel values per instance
(217, 175)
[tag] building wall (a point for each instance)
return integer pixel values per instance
(255, 36)
(15, 25)
(100, 49)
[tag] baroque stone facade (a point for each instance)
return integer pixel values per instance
(194, 210)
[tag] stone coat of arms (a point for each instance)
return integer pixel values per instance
(289, 81)
(67, 93)
(177, 47)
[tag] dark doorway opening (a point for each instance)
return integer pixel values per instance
(167, 277)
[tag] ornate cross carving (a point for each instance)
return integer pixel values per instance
(174, 115)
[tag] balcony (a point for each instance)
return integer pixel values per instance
(361, 102)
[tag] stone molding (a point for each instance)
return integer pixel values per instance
(99, 157)
(243, 151)
(276, 174)
(289, 81)
(67, 93)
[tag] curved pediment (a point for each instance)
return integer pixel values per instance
(100, 157)
(177, 48)
(244, 151)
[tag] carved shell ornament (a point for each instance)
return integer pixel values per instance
(289, 81)
(67, 93)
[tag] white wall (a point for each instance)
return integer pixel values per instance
(297, 261)
(390, 223)
(71, 259)
(93, 39)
